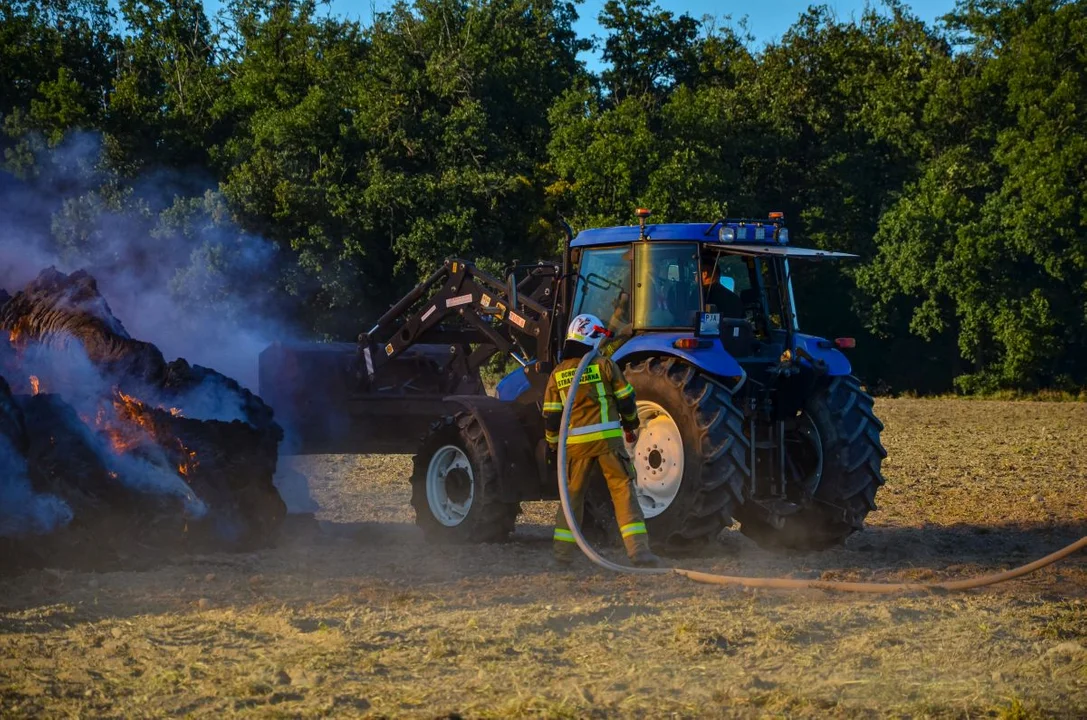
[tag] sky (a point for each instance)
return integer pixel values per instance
(767, 20)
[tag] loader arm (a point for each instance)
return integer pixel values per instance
(488, 317)
(383, 392)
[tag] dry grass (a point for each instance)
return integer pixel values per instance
(357, 616)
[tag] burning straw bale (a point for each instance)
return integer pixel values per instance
(135, 446)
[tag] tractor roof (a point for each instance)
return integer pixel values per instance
(751, 237)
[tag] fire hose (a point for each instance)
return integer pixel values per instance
(765, 582)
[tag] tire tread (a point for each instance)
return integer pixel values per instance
(495, 519)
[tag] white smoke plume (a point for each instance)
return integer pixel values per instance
(22, 510)
(173, 266)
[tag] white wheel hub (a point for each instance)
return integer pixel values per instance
(450, 485)
(658, 459)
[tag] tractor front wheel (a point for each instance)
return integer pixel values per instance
(454, 485)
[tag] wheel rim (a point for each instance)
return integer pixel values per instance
(804, 456)
(450, 485)
(658, 459)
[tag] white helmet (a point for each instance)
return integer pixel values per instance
(586, 329)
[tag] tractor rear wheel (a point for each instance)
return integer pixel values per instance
(691, 456)
(840, 421)
(454, 485)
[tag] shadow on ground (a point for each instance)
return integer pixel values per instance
(319, 562)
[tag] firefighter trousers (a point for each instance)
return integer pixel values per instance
(620, 476)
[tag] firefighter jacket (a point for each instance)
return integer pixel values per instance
(603, 408)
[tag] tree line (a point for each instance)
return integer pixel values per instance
(951, 157)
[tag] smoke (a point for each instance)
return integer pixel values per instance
(23, 511)
(175, 268)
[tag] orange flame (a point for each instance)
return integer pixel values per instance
(130, 425)
(35, 384)
(187, 466)
(126, 435)
(13, 335)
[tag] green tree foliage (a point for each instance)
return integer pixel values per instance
(456, 101)
(950, 158)
(55, 70)
(989, 244)
(163, 104)
(648, 50)
(291, 165)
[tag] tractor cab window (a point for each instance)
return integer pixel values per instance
(667, 289)
(603, 287)
(726, 284)
(735, 273)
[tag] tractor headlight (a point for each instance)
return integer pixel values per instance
(726, 234)
(783, 236)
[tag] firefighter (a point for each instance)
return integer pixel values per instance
(603, 414)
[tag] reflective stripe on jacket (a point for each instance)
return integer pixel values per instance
(604, 406)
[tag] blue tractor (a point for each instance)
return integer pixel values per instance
(744, 417)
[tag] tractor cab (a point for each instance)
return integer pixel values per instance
(724, 286)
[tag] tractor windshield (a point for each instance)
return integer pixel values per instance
(603, 286)
(667, 291)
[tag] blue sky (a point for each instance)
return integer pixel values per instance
(767, 20)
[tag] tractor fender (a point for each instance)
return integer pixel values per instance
(509, 441)
(836, 361)
(713, 360)
(510, 387)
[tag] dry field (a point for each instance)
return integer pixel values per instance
(355, 615)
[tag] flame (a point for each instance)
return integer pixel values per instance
(35, 384)
(126, 423)
(187, 466)
(125, 398)
(128, 426)
(13, 335)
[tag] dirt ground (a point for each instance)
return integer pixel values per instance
(355, 615)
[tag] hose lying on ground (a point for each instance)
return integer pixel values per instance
(775, 583)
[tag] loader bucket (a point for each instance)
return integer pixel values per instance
(326, 405)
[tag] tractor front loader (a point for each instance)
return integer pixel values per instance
(743, 416)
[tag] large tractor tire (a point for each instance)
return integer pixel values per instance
(691, 456)
(840, 420)
(454, 485)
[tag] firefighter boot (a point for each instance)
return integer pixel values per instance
(563, 549)
(644, 557)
